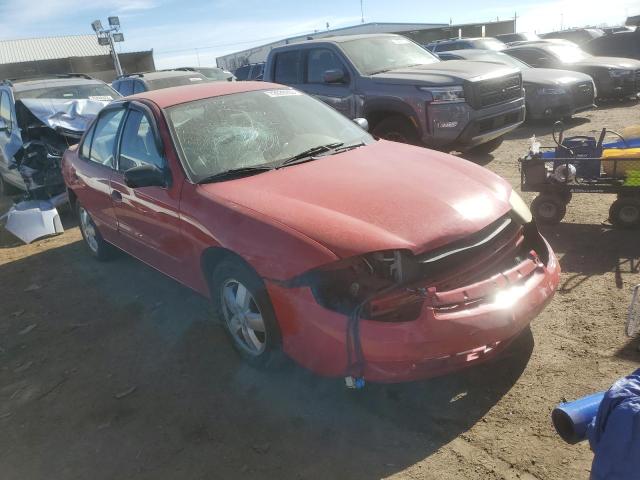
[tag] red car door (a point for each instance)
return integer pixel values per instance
(148, 217)
(92, 176)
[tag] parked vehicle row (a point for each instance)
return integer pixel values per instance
(549, 93)
(356, 257)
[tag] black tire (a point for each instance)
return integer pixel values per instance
(100, 249)
(548, 209)
(490, 146)
(625, 213)
(222, 280)
(397, 129)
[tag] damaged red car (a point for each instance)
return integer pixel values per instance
(356, 257)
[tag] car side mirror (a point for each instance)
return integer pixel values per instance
(333, 76)
(363, 123)
(145, 176)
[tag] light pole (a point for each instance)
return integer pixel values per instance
(361, 11)
(108, 36)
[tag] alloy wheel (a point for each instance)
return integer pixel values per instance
(243, 317)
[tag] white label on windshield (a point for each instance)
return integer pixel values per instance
(195, 79)
(399, 41)
(282, 93)
(101, 98)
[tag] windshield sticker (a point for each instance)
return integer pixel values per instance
(282, 93)
(195, 79)
(400, 41)
(101, 98)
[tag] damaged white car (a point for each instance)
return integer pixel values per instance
(39, 119)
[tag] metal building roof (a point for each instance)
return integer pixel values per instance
(50, 48)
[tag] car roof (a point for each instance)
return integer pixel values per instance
(168, 97)
(472, 52)
(21, 86)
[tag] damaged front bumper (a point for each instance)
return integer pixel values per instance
(453, 329)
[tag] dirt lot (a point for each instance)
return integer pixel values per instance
(113, 371)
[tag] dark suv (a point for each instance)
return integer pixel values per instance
(40, 118)
(133, 83)
(405, 93)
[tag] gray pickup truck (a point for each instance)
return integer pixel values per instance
(405, 92)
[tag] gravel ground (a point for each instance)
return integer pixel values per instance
(115, 371)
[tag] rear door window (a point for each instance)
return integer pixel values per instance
(319, 60)
(125, 87)
(288, 68)
(138, 87)
(242, 73)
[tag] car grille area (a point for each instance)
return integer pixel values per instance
(495, 91)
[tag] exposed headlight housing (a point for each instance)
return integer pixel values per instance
(552, 91)
(619, 72)
(453, 94)
(519, 207)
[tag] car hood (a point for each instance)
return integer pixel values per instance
(608, 62)
(383, 196)
(444, 73)
(548, 76)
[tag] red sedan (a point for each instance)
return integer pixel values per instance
(355, 257)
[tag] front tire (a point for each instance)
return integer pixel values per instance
(98, 248)
(241, 301)
(397, 129)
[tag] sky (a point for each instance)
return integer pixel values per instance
(195, 32)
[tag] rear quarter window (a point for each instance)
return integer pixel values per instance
(288, 67)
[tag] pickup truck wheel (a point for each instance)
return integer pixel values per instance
(240, 300)
(488, 147)
(397, 129)
(96, 245)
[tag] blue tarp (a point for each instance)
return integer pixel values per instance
(614, 434)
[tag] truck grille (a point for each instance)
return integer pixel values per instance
(582, 94)
(496, 91)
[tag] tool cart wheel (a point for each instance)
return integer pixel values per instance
(625, 213)
(548, 209)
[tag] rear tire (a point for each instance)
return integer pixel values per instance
(397, 129)
(241, 302)
(548, 209)
(97, 246)
(625, 213)
(490, 146)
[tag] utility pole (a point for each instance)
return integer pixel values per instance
(361, 11)
(109, 36)
(515, 22)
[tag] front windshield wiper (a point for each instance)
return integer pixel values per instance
(344, 148)
(309, 153)
(235, 172)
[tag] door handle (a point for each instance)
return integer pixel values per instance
(116, 196)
